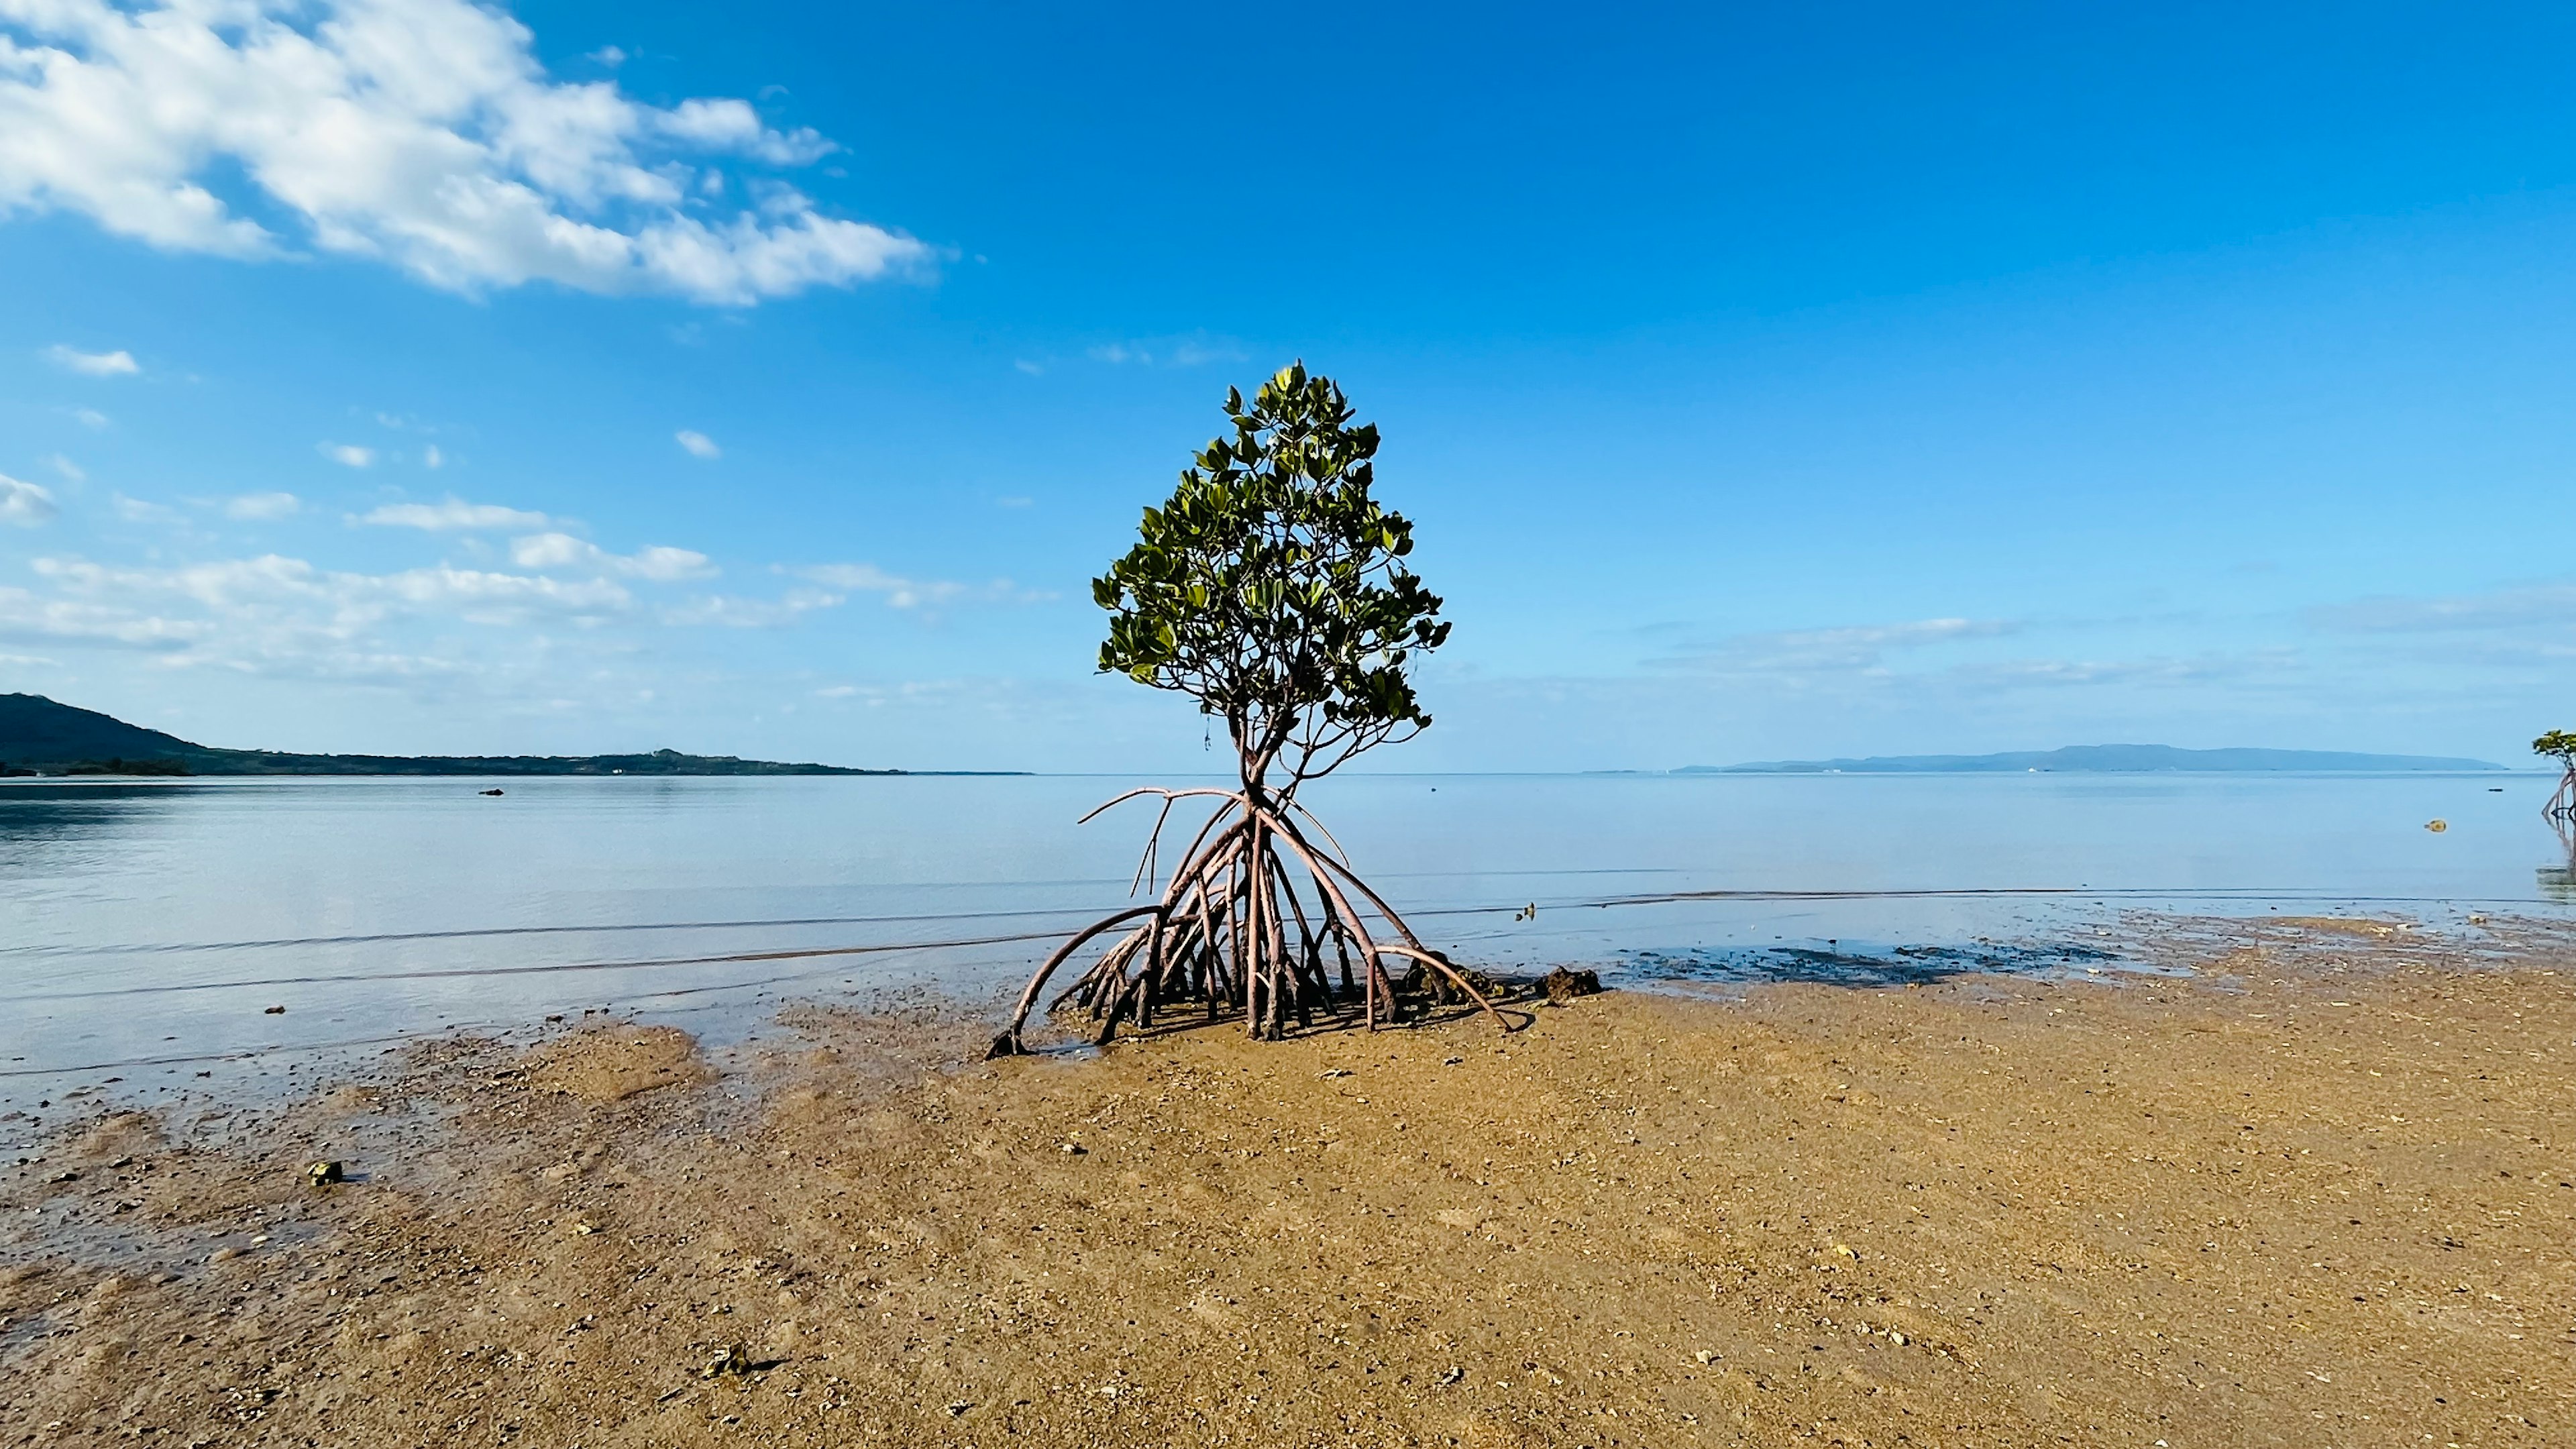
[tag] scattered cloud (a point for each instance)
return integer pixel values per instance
(421, 133)
(906, 593)
(430, 457)
(1872, 664)
(24, 615)
(454, 515)
(900, 593)
(90, 418)
(1857, 647)
(731, 612)
(260, 507)
(837, 691)
(70, 470)
(1013, 500)
(2522, 606)
(135, 510)
(607, 55)
(1033, 369)
(563, 551)
(1974, 679)
(698, 444)
(1194, 350)
(119, 363)
(24, 505)
(281, 615)
(474, 593)
(348, 454)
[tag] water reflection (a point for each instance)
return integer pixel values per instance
(43, 812)
(38, 822)
(2558, 882)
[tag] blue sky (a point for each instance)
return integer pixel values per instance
(771, 379)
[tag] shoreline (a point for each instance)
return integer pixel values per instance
(2132, 948)
(2304, 1196)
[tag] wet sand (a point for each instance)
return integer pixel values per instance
(2318, 1193)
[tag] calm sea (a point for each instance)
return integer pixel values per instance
(146, 930)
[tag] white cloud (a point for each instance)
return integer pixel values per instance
(24, 505)
(262, 506)
(559, 551)
(1193, 350)
(23, 615)
(2519, 607)
(1199, 351)
(663, 564)
(1856, 647)
(837, 691)
(698, 444)
(904, 593)
(272, 592)
(135, 510)
(422, 133)
(901, 593)
(454, 515)
(67, 468)
(729, 612)
(559, 620)
(90, 418)
(608, 55)
(430, 457)
(348, 454)
(91, 364)
(282, 617)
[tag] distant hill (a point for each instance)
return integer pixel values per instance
(42, 736)
(2096, 759)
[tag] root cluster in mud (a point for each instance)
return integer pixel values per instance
(1264, 919)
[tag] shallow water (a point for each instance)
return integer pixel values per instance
(145, 929)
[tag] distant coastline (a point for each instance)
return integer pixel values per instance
(2105, 759)
(44, 737)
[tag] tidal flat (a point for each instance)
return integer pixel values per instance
(2315, 1186)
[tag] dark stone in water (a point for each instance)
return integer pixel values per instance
(1423, 981)
(1562, 985)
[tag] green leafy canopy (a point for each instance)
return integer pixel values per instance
(2558, 745)
(1271, 587)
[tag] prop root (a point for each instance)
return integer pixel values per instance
(1247, 923)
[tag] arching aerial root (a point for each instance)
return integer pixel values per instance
(1257, 920)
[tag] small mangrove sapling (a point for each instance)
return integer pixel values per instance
(1272, 589)
(2559, 745)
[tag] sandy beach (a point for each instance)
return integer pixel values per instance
(2320, 1191)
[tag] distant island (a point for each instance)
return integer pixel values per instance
(40, 736)
(2097, 759)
